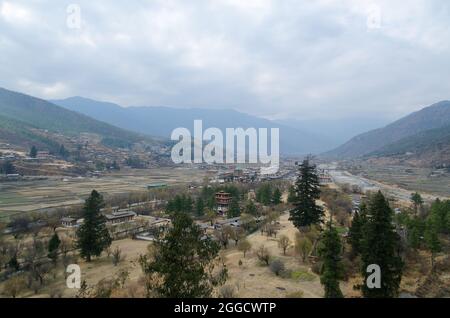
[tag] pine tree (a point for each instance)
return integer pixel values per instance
(332, 270)
(250, 208)
(306, 212)
(355, 233)
(234, 209)
(292, 195)
(380, 246)
(415, 231)
(93, 236)
(182, 262)
(199, 207)
(53, 246)
(432, 239)
(33, 152)
(276, 196)
(417, 200)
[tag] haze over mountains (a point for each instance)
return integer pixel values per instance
(160, 121)
(424, 134)
(422, 131)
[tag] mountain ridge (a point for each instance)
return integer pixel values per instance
(431, 117)
(161, 120)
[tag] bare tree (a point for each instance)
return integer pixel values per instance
(263, 255)
(244, 246)
(283, 243)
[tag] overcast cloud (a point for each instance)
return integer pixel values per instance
(277, 59)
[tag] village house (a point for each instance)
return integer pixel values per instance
(120, 217)
(68, 222)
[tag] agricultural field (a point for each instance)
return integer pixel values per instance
(410, 178)
(26, 196)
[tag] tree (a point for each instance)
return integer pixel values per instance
(53, 246)
(283, 243)
(117, 256)
(303, 246)
(276, 196)
(250, 208)
(264, 194)
(93, 236)
(223, 235)
(63, 152)
(244, 246)
(332, 271)
(234, 209)
(211, 216)
(33, 152)
(291, 195)
(236, 234)
(263, 255)
(432, 239)
(306, 212)
(182, 264)
(7, 167)
(356, 230)
(199, 207)
(14, 286)
(381, 246)
(417, 200)
(415, 231)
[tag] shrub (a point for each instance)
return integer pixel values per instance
(226, 291)
(277, 266)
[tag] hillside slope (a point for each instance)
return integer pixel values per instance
(428, 148)
(20, 114)
(431, 117)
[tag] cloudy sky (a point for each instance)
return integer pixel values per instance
(277, 59)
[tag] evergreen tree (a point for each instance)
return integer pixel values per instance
(199, 207)
(264, 194)
(250, 208)
(63, 152)
(7, 168)
(93, 236)
(234, 209)
(306, 212)
(53, 246)
(276, 199)
(183, 262)
(292, 195)
(381, 246)
(356, 231)
(332, 270)
(33, 152)
(415, 231)
(417, 200)
(432, 239)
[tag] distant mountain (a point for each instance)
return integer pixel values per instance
(396, 134)
(429, 148)
(22, 115)
(160, 121)
(336, 131)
